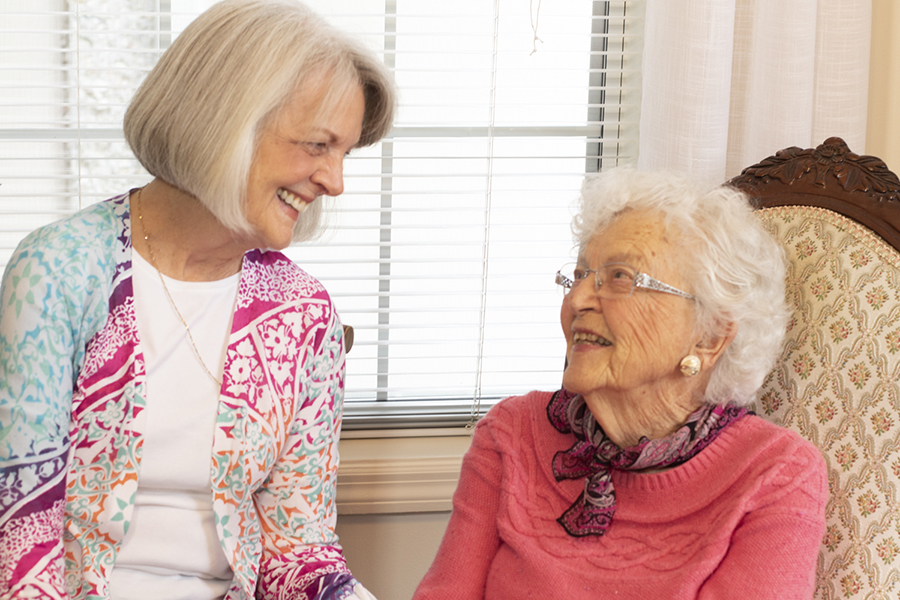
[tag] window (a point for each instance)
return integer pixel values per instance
(443, 247)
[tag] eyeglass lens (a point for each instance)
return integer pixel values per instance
(611, 280)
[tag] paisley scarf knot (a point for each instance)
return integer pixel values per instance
(594, 456)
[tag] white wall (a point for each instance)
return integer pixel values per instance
(390, 553)
(394, 497)
(883, 128)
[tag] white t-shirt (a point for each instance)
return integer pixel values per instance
(171, 549)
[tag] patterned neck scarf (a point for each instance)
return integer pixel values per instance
(594, 455)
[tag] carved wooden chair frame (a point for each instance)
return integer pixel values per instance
(866, 191)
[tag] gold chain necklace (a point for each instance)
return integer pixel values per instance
(166, 288)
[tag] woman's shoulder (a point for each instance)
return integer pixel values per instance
(95, 227)
(753, 462)
(280, 277)
(532, 404)
(275, 292)
(760, 448)
(778, 463)
(75, 254)
(58, 284)
(521, 420)
(756, 435)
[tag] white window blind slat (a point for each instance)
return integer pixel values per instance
(442, 250)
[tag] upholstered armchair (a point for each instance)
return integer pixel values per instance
(837, 214)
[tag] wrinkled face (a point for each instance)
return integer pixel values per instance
(300, 157)
(633, 344)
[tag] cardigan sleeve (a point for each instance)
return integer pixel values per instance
(36, 374)
(773, 551)
(301, 555)
(460, 569)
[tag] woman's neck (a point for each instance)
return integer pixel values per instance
(178, 235)
(628, 417)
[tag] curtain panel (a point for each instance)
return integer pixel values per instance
(729, 82)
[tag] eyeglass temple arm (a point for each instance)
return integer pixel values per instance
(645, 281)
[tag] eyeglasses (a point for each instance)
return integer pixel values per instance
(613, 280)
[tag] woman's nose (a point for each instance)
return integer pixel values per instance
(330, 175)
(583, 295)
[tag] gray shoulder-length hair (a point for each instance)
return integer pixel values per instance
(196, 120)
(732, 266)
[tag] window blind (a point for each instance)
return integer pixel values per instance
(442, 250)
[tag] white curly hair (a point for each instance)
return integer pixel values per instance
(736, 269)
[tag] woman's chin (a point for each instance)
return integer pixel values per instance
(574, 383)
(582, 376)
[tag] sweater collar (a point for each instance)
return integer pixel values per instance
(593, 455)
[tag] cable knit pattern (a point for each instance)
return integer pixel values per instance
(744, 517)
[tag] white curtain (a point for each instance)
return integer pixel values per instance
(727, 83)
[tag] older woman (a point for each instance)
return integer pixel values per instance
(170, 384)
(644, 477)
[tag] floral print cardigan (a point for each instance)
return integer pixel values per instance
(72, 399)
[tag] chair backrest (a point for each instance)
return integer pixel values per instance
(837, 215)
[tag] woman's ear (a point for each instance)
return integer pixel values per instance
(711, 347)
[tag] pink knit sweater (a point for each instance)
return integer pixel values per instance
(742, 519)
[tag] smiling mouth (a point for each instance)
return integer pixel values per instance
(590, 338)
(291, 200)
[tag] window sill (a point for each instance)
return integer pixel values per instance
(386, 475)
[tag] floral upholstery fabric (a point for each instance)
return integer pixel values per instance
(838, 385)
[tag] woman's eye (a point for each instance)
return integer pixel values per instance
(316, 148)
(620, 274)
(579, 274)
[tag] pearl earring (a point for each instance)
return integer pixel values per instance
(690, 365)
